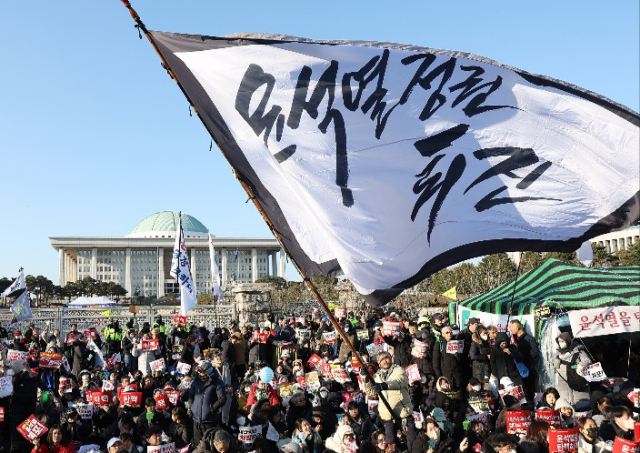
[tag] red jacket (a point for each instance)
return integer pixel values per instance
(271, 395)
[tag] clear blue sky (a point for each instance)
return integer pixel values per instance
(91, 127)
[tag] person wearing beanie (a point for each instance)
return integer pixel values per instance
(502, 359)
(570, 360)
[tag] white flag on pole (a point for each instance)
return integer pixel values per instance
(17, 284)
(181, 271)
(215, 273)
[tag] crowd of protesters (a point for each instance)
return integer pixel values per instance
(292, 385)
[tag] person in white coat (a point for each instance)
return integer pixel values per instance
(570, 360)
(145, 357)
(590, 441)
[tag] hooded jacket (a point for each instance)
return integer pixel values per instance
(502, 364)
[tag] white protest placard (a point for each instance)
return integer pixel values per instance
(595, 322)
(17, 356)
(362, 334)
(303, 334)
(594, 373)
(183, 368)
(157, 365)
(313, 381)
(91, 448)
(391, 328)
(413, 374)
(248, 434)
(167, 448)
(85, 411)
(330, 337)
(455, 346)
(107, 386)
(6, 386)
(419, 349)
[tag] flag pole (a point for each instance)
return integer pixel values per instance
(141, 27)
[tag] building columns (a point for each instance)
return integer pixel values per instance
(62, 278)
(94, 262)
(127, 272)
(193, 267)
(274, 264)
(283, 264)
(254, 265)
(223, 254)
(160, 271)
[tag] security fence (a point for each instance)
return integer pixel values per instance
(61, 318)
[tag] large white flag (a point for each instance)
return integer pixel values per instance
(181, 271)
(389, 162)
(215, 273)
(17, 284)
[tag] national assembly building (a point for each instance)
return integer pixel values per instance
(140, 261)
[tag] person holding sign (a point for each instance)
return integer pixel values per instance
(571, 359)
(145, 356)
(590, 440)
(391, 381)
(450, 362)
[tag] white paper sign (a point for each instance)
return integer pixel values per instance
(183, 368)
(604, 321)
(157, 365)
(248, 434)
(594, 373)
(6, 386)
(455, 346)
(167, 448)
(85, 411)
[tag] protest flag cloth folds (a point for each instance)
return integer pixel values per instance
(181, 271)
(17, 285)
(389, 162)
(21, 308)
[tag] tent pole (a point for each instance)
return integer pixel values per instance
(140, 25)
(515, 284)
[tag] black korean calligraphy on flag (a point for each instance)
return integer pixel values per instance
(389, 162)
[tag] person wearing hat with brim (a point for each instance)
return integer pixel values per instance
(391, 381)
(114, 445)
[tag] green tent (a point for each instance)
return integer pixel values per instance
(561, 285)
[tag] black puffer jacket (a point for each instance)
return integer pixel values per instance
(502, 364)
(425, 365)
(448, 365)
(479, 356)
(401, 348)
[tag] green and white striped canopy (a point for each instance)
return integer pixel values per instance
(556, 283)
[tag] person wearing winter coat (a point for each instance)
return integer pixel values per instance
(207, 396)
(299, 407)
(590, 440)
(307, 437)
(227, 373)
(391, 381)
(566, 413)
(432, 439)
(240, 352)
(480, 355)
(446, 364)
(359, 421)
(621, 424)
(401, 348)
(342, 441)
(145, 357)
(425, 364)
(503, 355)
(571, 358)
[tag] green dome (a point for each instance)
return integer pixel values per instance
(165, 223)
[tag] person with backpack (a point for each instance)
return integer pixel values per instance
(570, 360)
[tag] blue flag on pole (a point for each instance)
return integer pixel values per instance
(21, 308)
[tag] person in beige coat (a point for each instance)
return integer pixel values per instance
(391, 382)
(240, 351)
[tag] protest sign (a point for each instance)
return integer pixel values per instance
(173, 396)
(1, 414)
(157, 365)
(183, 368)
(606, 320)
(313, 381)
(131, 399)
(516, 392)
(621, 445)
(518, 421)
(32, 428)
(85, 411)
(314, 361)
(362, 334)
(378, 341)
(180, 320)
(71, 338)
(340, 375)
(101, 398)
(455, 346)
(260, 337)
(594, 373)
(550, 416)
(285, 390)
(50, 360)
(17, 356)
(107, 386)
(419, 349)
(413, 374)
(6, 386)
(371, 406)
(90, 333)
(340, 313)
(149, 345)
(303, 334)
(330, 337)
(355, 365)
(162, 401)
(418, 419)
(91, 448)
(636, 431)
(391, 328)
(326, 369)
(166, 448)
(563, 440)
(480, 404)
(634, 397)
(248, 434)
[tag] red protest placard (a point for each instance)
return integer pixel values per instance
(550, 416)
(181, 320)
(260, 337)
(516, 392)
(1, 414)
(126, 389)
(17, 356)
(157, 365)
(71, 338)
(518, 421)
(173, 396)
(326, 369)
(131, 399)
(101, 398)
(378, 340)
(314, 361)
(564, 440)
(355, 365)
(391, 328)
(636, 431)
(149, 345)
(621, 445)
(90, 333)
(162, 402)
(330, 337)
(32, 428)
(50, 360)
